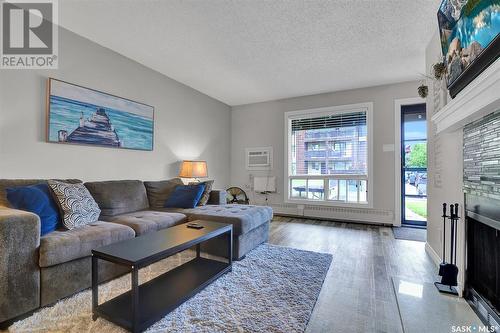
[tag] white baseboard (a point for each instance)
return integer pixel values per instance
(434, 256)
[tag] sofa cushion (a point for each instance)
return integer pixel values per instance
(244, 218)
(78, 208)
(158, 192)
(148, 220)
(119, 197)
(63, 246)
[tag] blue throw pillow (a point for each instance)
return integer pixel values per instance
(185, 196)
(36, 199)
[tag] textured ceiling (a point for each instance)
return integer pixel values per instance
(250, 51)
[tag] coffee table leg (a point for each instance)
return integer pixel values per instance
(230, 246)
(198, 250)
(135, 299)
(95, 288)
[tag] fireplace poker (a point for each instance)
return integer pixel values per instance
(443, 263)
(455, 224)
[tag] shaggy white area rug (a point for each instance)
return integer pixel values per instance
(274, 289)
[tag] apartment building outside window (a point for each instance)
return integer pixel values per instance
(329, 155)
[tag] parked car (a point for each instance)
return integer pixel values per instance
(412, 178)
(421, 184)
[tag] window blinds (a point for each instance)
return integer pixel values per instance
(331, 121)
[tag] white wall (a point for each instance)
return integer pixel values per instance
(188, 124)
(445, 167)
(262, 124)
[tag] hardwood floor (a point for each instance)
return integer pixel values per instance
(357, 294)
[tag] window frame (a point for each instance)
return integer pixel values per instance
(325, 111)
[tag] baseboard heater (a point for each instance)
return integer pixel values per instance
(351, 214)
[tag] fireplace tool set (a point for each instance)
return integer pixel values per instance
(449, 270)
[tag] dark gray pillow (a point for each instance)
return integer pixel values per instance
(206, 193)
(78, 207)
(159, 191)
(116, 197)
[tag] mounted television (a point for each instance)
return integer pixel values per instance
(469, 32)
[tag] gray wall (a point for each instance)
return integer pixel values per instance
(262, 124)
(188, 124)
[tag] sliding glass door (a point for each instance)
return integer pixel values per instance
(414, 165)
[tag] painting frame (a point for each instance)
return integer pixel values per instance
(110, 137)
(459, 75)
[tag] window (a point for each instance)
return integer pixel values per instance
(329, 155)
(339, 166)
(315, 146)
(313, 168)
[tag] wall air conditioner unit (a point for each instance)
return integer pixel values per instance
(259, 158)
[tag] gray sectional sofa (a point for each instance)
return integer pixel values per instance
(37, 271)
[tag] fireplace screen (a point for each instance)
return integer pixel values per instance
(483, 261)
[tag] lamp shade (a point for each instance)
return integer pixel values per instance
(193, 169)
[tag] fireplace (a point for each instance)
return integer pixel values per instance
(475, 112)
(482, 275)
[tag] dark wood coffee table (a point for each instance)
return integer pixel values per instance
(145, 304)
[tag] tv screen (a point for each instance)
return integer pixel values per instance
(469, 32)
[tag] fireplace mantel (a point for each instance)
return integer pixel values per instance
(479, 98)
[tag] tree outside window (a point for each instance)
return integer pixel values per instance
(417, 157)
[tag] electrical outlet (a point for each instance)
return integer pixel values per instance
(438, 183)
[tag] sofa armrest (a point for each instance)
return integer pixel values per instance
(19, 270)
(217, 197)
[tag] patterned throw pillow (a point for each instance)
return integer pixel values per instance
(78, 207)
(206, 194)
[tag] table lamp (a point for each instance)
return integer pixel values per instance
(193, 169)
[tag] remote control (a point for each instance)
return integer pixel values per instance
(195, 226)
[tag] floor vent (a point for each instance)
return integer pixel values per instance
(494, 323)
(487, 314)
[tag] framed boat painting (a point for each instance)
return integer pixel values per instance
(79, 115)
